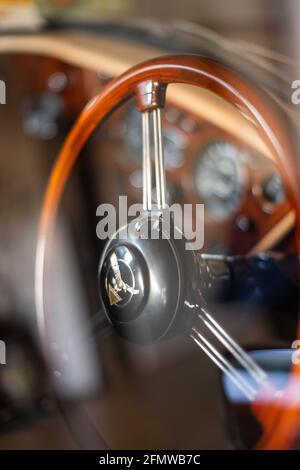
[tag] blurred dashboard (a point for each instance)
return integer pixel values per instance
(212, 154)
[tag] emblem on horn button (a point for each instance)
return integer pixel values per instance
(120, 282)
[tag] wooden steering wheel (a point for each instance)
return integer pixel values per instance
(148, 82)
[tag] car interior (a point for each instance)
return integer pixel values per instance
(109, 340)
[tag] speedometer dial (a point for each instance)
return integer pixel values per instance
(220, 178)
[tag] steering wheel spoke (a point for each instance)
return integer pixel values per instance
(159, 277)
(151, 98)
(247, 375)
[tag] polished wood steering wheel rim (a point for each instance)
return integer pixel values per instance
(148, 82)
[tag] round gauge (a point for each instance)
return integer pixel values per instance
(220, 178)
(273, 189)
(173, 139)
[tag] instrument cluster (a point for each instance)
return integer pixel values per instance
(242, 191)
